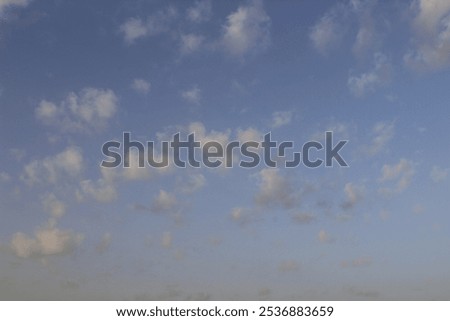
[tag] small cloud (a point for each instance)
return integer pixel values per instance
(400, 174)
(190, 43)
(164, 202)
(247, 29)
(166, 240)
(289, 266)
(369, 81)
(438, 174)
(192, 95)
(155, 24)
(324, 237)
(383, 133)
(274, 189)
(200, 12)
(53, 206)
(141, 86)
(281, 118)
(354, 194)
(193, 183)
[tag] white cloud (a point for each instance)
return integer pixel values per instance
(68, 163)
(200, 11)
(400, 174)
(438, 174)
(329, 31)
(281, 118)
(432, 35)
(88, 110)
(247, 29)
(274, 189)
(242, 215)
(4, 4)
(141, 86)
(102, 191)
(53, 206)
(383, 133)
(203, 136)
(369, 81)
(159, 22)
(47, 241)
(192, 95)
(353, 194)
(193, 183)
(164, 202)
(190, 43)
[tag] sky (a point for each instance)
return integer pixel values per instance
(77, 74)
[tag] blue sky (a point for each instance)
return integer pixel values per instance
(74, 75)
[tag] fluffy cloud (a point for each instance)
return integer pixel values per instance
(432, 35)
(281, 118)
(67, 164)
(90, 109)
(47, 241)
(369, 81)
(159, 22)
(199, 12)
(400, 174)
(247, 29)
(274, 189)
(141, 86)
(164, 202)
(328, 32)
(192, 95)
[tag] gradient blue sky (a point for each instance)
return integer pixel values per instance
(75, 74)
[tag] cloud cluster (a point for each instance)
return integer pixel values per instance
(399, 174)
(54, 169)
(155, 24)
(89, 110)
